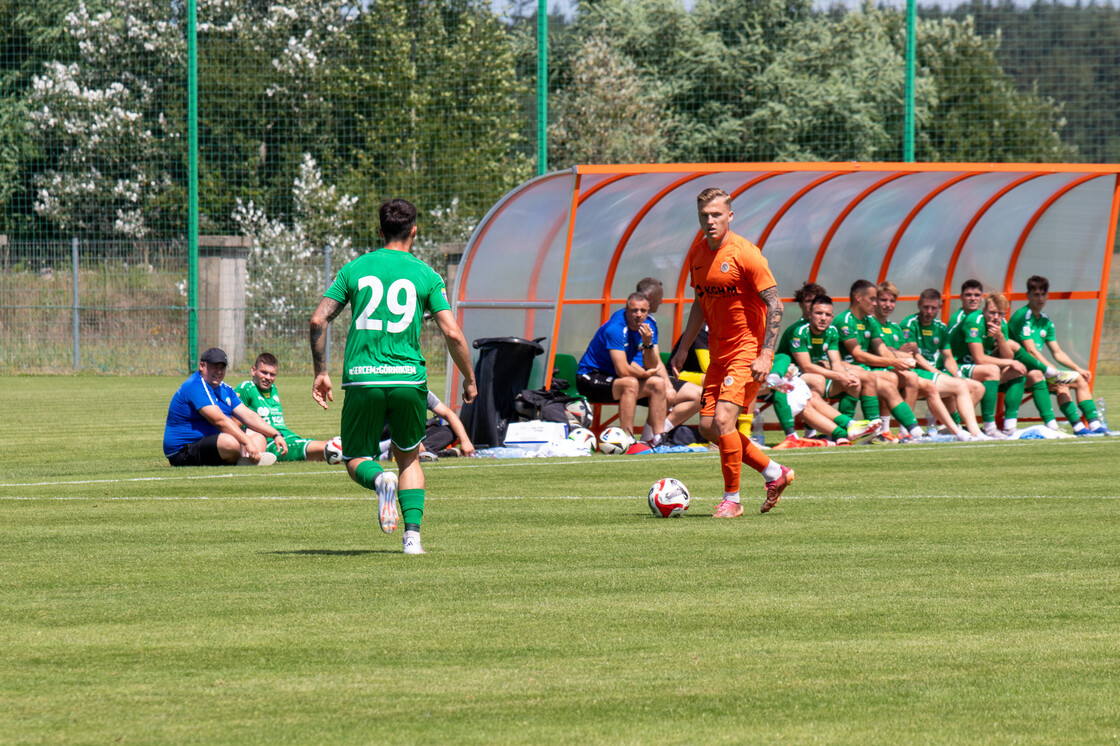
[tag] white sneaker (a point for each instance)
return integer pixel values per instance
(982, 436)
(412, 543)
(386, 487)
(1010, 432)
(1065, 377)
(964, 436)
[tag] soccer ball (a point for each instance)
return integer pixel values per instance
(614, 440)
(579, 413)
(583, 438)
(332, 451)
(668, 498)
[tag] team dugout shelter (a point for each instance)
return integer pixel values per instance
(561, 252)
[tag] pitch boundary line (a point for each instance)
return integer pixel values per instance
(783, 455)
(447, 498)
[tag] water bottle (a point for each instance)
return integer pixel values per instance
(1100, 412)
(758, 434)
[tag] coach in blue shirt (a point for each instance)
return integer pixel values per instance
(607, 372)
(200, 429)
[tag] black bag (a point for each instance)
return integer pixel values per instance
(550, 406)
(503, 369)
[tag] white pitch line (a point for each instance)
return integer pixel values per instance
(445, 498)
(781, 455)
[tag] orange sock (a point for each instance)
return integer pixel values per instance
(752, 454)
(731, 460)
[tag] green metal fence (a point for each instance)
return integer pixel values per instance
(307, 114)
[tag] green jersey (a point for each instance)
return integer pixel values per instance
(389, 292)
(973, 329)
(932, 340)
(956, 318)
(816, 344)
(1026, 324)
(891, 334)
(787, 336)
(862, 331)
(266, 405)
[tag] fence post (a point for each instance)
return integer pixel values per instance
(326, 286)
(77, 321)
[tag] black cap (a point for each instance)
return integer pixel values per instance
(214, 356)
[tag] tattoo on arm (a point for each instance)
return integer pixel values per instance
(773, 317)
(330, 308)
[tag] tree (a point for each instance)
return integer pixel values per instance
(608, 114)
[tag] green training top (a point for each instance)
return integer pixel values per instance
(891, 334)
(862, 331)
(266, 405)
(1026, 324)
(973, 329)
(932, 340)
(817, 345)
(787, 336)
(389, 292)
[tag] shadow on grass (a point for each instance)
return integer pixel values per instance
(336, 552)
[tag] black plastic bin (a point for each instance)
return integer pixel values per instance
(502, 372)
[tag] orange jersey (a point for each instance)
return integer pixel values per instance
(726, 283)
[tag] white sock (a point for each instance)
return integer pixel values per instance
(1079, 426)
(1052, 424)
(989, 427)
(1094, 424)
(1010, 423)
(916, 432)
(732, 496)
(886, 420)
(1050, 372)
(772, 471)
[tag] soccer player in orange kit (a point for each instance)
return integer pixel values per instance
(738, 298)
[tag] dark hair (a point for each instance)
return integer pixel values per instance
(647, 285)
(821, 298)
(397, 217)
(807, 291)
(266, 358)
(1038, 282)
(971, 285)
(930, 294)
(858, 287)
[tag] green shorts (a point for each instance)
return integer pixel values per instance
(365, 411)
(929, 375)
(297, 447)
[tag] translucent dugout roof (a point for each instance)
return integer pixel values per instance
(560, 253)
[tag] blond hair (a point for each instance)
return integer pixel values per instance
(999, 300)
(886, 286)
(711, 194)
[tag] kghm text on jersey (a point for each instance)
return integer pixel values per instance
(717, 291)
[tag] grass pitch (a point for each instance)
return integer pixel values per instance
(930, 593)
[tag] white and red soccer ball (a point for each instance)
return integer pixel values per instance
(668, 498)
(332, 451)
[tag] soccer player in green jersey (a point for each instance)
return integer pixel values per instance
(862, 343)
(1031, 327)
(259, 393)
(815, 349)
(782, 358)
(982, 339)
(927, 338)
(384, 372)
(972, 298)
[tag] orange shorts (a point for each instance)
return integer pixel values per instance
(732, 383)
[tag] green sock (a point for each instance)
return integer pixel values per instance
(905, 415)
(870, 405)
(956, 417)
(1029, 360)
(1069, 409)
(847, 404)
(988, 403)
(1013, 392)
(785, 414)
(367, 472)
(843, 421)
(412, 505)
(780, 364)
(839, 433)
(1089, 407)
(1041, 395)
